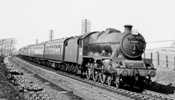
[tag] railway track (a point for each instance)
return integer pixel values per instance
(146, 95)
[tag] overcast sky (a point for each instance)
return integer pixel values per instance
(27, 20)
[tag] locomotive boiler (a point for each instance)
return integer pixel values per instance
(112, 43)
(110, 57)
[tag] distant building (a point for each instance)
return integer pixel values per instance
(163, 56)
(7, 46)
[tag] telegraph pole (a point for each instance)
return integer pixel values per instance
(85, 28)
(51, 35)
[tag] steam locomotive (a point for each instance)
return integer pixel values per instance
(110, 57)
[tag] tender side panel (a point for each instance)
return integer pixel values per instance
(71, 50)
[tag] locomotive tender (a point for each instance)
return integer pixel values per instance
(109, 57)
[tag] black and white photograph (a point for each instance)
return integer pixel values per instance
(87, 50)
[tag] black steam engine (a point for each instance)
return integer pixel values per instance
(109, 57)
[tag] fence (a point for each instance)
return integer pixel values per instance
(162, 59)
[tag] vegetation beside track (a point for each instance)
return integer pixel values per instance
(7, 90)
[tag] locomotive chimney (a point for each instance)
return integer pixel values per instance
(128, 28)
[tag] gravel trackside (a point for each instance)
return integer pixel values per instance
(35, 87)
(80, 89)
